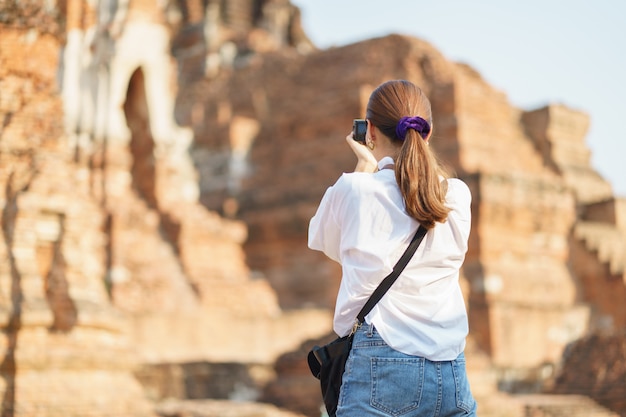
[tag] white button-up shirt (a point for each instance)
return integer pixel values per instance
(362, 223)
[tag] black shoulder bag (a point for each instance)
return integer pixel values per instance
(327, 363)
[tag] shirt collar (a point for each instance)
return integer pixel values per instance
(386, 160)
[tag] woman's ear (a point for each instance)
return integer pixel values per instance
(371, 129)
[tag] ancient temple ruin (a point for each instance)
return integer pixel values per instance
(160, 161)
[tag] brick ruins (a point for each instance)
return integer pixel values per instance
(159, 164)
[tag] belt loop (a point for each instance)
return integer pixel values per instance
(370, 330)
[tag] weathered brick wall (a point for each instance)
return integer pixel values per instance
(518, 268)
(559, 135)
(490, 136)
(59, 328)
(110, 260)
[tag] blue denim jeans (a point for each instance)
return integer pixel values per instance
(380, 381)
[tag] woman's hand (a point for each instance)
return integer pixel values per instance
(365, 159)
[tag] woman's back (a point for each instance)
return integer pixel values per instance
(364, 226)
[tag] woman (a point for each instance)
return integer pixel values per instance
(407, 358)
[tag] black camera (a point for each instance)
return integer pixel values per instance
(359, 127)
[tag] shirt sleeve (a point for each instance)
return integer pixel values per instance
(459, 200)
(324, 232)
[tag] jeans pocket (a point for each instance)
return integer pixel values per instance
(464, 399)
(397, 384)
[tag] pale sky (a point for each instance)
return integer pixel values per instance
(537, 52)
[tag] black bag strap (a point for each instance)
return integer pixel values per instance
(391, 278)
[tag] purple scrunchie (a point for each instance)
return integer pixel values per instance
(416, 123)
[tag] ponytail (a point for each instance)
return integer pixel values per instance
(419, 177)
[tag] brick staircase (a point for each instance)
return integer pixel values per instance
(602, 226)
(607, 241)
(598, 257)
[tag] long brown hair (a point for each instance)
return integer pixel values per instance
(418, 171)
